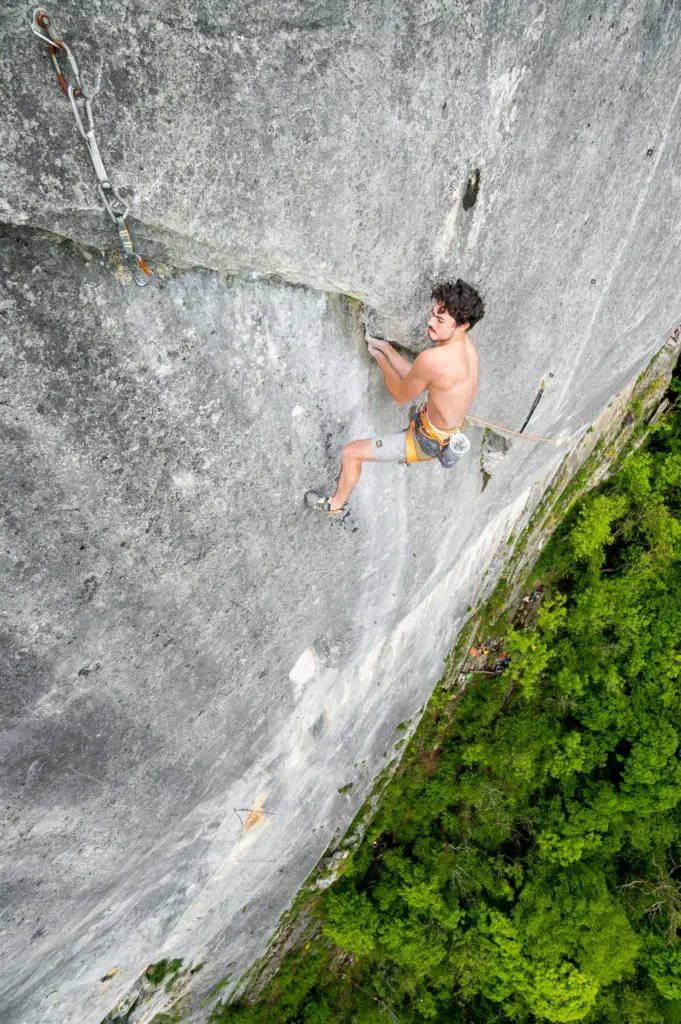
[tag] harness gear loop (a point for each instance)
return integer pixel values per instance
(116, 207)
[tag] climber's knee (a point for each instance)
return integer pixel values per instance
(358, 451)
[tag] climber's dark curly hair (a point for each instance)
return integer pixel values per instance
(461, 301)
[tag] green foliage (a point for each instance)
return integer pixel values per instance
(164, 969)
(522, 865)
(561, 993)
(571, 916)
(663, 962)
(351, 921)
(592, 532)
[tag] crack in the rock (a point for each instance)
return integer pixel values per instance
(111, 253)
(164, 267)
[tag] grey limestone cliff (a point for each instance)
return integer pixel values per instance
(192, 665)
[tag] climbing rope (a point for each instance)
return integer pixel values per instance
(518, 433)
(114, 205)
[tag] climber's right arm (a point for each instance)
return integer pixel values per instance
(400, 365)
(414, 384)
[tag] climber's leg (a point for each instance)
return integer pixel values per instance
(354, 454)
(389, 448)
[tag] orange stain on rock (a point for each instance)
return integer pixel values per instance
(255, 814)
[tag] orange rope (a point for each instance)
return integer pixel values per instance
(516, 433)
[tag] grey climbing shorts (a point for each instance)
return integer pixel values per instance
(392, 448)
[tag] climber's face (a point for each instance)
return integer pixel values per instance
(441, 326)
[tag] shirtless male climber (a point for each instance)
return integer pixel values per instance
(449, 372)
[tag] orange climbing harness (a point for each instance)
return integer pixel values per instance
(410, 447)
(419, 422)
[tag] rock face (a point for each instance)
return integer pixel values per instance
(194, 666)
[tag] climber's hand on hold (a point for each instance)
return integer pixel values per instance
(381, 349)
(378, 344)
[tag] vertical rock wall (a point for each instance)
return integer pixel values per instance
(192, 666)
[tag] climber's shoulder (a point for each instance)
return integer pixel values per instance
(427, 360)
(470, 355)
(461, 354)
(445, 365)
(453, 365)
(458, 354)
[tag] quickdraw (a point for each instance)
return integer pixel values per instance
(116, 207)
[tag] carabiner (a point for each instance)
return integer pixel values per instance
(115, 205)
(139, 271)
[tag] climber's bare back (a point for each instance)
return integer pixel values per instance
(453, 381)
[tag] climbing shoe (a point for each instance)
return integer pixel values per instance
(319, 503)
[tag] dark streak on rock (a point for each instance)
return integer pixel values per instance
(470, 196)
